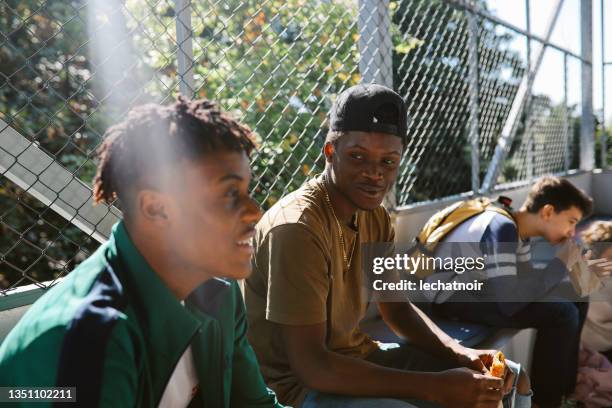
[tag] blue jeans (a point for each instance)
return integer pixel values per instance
(555, 354)
(404, 357)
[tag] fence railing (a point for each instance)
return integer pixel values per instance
(605, 153)
(69, 69)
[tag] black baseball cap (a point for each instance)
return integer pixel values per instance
(370, 108)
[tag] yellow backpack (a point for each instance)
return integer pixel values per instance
(446, 220)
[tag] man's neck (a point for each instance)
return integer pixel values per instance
(177, 278)
(526, 224)
(344, 210)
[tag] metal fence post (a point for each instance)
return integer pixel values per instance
(375, 47)
(474, 105)
(528, 131)
(566, 139)
(376, 53)
(604, 135)
(184, 40)
(587, 125)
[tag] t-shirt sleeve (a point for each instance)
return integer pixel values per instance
(298, 276)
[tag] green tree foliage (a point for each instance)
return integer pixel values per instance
(66, 73)
(43, 94)
(277, 64)
(599, 131)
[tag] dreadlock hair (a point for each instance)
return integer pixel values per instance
(138, 151)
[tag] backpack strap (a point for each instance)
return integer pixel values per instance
(503, 206)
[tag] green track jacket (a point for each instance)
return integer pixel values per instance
(114, 331)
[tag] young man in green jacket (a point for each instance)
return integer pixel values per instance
(154, 317)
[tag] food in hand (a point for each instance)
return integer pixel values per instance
(498, 366)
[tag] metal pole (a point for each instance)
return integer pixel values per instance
(587, 136)
(566, 141)
(44, 178)
(528, 37)
(604, 135)
(375, 55)
(474, 106)
(184, 39)
(375, 46)
(528, 132)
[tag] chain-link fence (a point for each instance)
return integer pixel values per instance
(436, 74)
(603, 150)
(70, 68)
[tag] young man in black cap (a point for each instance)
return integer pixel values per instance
(305, 298)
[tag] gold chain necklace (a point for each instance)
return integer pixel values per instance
(347, 260)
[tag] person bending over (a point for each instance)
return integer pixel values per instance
(517, 295)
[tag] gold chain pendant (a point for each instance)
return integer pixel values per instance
(347, 260)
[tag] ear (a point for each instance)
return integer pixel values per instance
(328, 151)
(154, 207)
(547, 211)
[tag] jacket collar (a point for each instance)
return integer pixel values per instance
(167, 327)
(208, 297)
(155, 298)
(161, 308)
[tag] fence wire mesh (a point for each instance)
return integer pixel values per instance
(431, 71)
(548, 140)
(70, 68)
(603, 135)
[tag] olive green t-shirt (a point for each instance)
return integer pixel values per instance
(299, 279)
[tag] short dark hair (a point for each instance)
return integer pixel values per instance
(558, 192)
(153, 138)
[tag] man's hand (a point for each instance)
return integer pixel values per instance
(569, 253)
(480, 360)
(465, 388)
(602, 267)
(477, 360)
